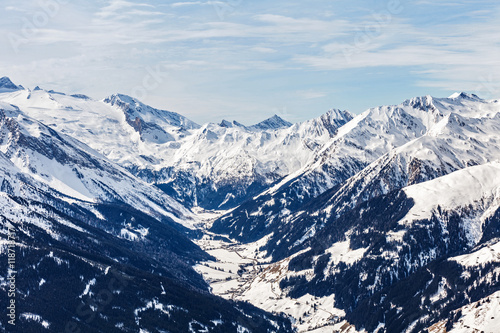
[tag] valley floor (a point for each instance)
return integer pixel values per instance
(243, 273)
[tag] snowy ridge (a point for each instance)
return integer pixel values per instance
(153, 125)
(477, 184)
(485, 255)
(452, 144)
(73, 169)
(135, 109)
(165, 148)
(430, 161)
(234, 154)
(480, 316)
(352, 147)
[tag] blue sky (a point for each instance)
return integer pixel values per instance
(247, 60)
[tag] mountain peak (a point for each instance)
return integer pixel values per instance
(119, 99)
(424, 103)
(133, 109)
(464, 95)
(129, 104)
(275, 122)
(225, 123)
(81, 96)
(6, 83)
(230, 124)
(339, 114)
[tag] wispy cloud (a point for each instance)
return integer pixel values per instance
(196, 3)
(14, 9)
(115, 6)
(311, 94)
(262, 49)
(447, 54)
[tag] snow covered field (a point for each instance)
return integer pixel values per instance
(243, 273)
(480, 316)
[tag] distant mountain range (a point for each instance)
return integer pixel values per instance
(391, 218)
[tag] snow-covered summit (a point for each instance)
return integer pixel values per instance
(153, 125)
(230, 124)
(464, 95)
(164, 147)
(336, 116)
(134, 108)
(423, 103)
(273, 123)
(7, 84)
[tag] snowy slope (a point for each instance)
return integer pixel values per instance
(85, 226)
(220, 164)
(465, 199)
(480, 316)
(75, 170)
(72, 252)
(386, 240)
(454, 143)
(371, 249)
(153, 125)
(483, 256)
(393, 236)
(447, 148)
(270, 152)
(473, 186)
(380, 130)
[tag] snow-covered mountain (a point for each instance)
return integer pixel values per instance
(407, 258)
(70, 255)
(6, 85)
(75, 170)
(85, 228)
(454, 143)
(356, 239)
(153, 125)
(420, 139)
(387, 221)
(213, 166)
(220, 166)
(120, 127)
(273, 123)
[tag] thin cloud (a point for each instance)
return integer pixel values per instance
(448, 55)
(311, 94)
(14, 9)
(261, 49)
(114, 7)
(196, 3)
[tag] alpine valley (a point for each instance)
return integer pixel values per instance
(128, 218)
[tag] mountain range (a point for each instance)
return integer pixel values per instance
(386, 221)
